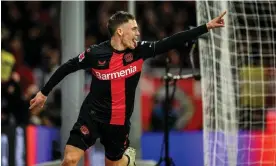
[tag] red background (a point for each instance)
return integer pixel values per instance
(190, 88)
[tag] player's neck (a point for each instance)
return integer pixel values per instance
(117, 44)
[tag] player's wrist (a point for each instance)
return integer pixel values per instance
(43, 94)
(209, 26)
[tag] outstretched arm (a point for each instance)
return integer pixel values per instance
(64, 70)
(82, 61)
(178, 39)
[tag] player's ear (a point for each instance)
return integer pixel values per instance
(120, 31)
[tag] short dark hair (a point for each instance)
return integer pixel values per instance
(118, 18)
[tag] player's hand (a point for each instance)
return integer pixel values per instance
(216, 22)
(37, 103)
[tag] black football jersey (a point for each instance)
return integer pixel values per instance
(115, 74)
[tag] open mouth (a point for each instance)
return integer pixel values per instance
(135, 41)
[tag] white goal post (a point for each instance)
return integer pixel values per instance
(238, 71)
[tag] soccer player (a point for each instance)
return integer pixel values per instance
(116, 66)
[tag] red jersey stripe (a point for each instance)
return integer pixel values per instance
(118, 105)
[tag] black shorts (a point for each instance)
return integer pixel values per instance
(86, 131)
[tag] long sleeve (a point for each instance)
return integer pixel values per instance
(177, 39)
(149, 49)
(82, 61)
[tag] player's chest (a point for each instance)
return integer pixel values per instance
(117, 66)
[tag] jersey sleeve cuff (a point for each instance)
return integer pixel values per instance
(203, 28)
(44, 92)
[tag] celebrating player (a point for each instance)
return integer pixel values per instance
(116, 66)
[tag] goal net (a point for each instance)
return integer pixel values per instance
(238, 69)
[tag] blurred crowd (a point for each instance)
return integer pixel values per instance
(31, 52)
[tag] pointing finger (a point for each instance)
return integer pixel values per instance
(222, 14)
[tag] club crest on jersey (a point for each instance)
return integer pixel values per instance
(84, 130)
(81, 56)
(128, 57)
